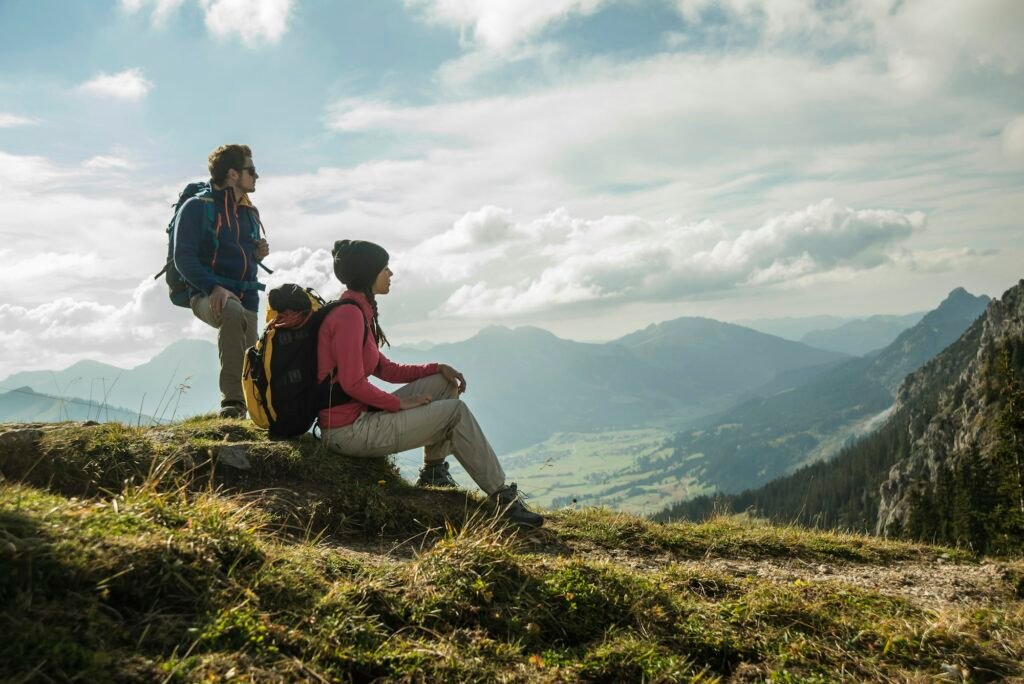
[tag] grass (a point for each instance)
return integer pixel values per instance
(132, 555)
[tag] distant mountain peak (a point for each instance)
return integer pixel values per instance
(520, 331)
(959, 302)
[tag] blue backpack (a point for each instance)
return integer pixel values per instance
(176, 284)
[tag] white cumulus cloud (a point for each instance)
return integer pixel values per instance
(129, 85)
(501, 24)
(1013, 138)
(104, 162)
(66, 329)
(12, 120)
(559, 260)
(252, 21)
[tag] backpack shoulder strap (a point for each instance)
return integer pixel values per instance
(209, 214)
(332, 305)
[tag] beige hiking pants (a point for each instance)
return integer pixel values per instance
(444, 426)
(236, 332)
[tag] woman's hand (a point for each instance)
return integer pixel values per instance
(452, 376)
(413, 402)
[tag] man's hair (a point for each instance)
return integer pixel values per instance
(225, 158)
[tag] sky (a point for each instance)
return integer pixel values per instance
(586, 166)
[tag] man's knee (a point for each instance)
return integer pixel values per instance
(233, 314)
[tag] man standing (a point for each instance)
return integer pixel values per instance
(217, 252)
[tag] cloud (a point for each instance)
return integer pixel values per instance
(252, 21)
(501, 24)
(46, 267)
(922, 41)
(943, 260)
(560, 260)
(162, 9)
(129, 85)
(106, 162)
(62, 221)
(308, 267)
(13, 120)
(63, 330)
(1013, 138)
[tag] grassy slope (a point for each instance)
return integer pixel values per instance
(140, 555)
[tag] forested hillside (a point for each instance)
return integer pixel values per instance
(947, 465)
(768, 437)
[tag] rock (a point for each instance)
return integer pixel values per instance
(20, 438)
(234, 456)
(949, 428)
(952, 673)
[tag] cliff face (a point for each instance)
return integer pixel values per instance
(950, 405)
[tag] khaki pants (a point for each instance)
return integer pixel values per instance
(236, 332)
(442, 427)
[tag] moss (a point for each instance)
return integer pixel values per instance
(735, 538)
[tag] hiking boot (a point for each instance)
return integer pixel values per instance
(232, 409)
(510, 502)
(436, 475)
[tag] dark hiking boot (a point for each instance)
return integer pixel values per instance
(232, 409)
(436, 475)
(510, 503)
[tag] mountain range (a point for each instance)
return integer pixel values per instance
(678, 408)
(526, 384)
(180, 381)
(800, 417)
(945, 465)
(769, 436)
(862, 336)
(24, 405)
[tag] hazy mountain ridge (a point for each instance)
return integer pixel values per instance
(863, 335)
(943, 466)
(23, 404)
(710, 354)
(525, 384)
(181, 380)
(767, 437)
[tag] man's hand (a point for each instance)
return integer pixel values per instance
(413, 402)
(219, 297)
(262, 249)
(452, 376)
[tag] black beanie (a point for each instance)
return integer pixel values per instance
(358, 262)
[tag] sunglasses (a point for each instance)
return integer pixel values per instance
(250, 169)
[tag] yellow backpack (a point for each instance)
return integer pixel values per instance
(279, 375)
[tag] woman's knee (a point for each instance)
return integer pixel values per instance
(451, 409)
(440, 388)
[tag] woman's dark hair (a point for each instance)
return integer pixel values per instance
(357, 263)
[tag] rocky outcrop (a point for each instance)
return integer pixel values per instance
(948, 403)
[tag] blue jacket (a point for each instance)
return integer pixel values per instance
(223, 254)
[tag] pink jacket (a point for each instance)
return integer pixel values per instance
(340, 345)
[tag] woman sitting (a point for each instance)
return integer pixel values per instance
(426, 412)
